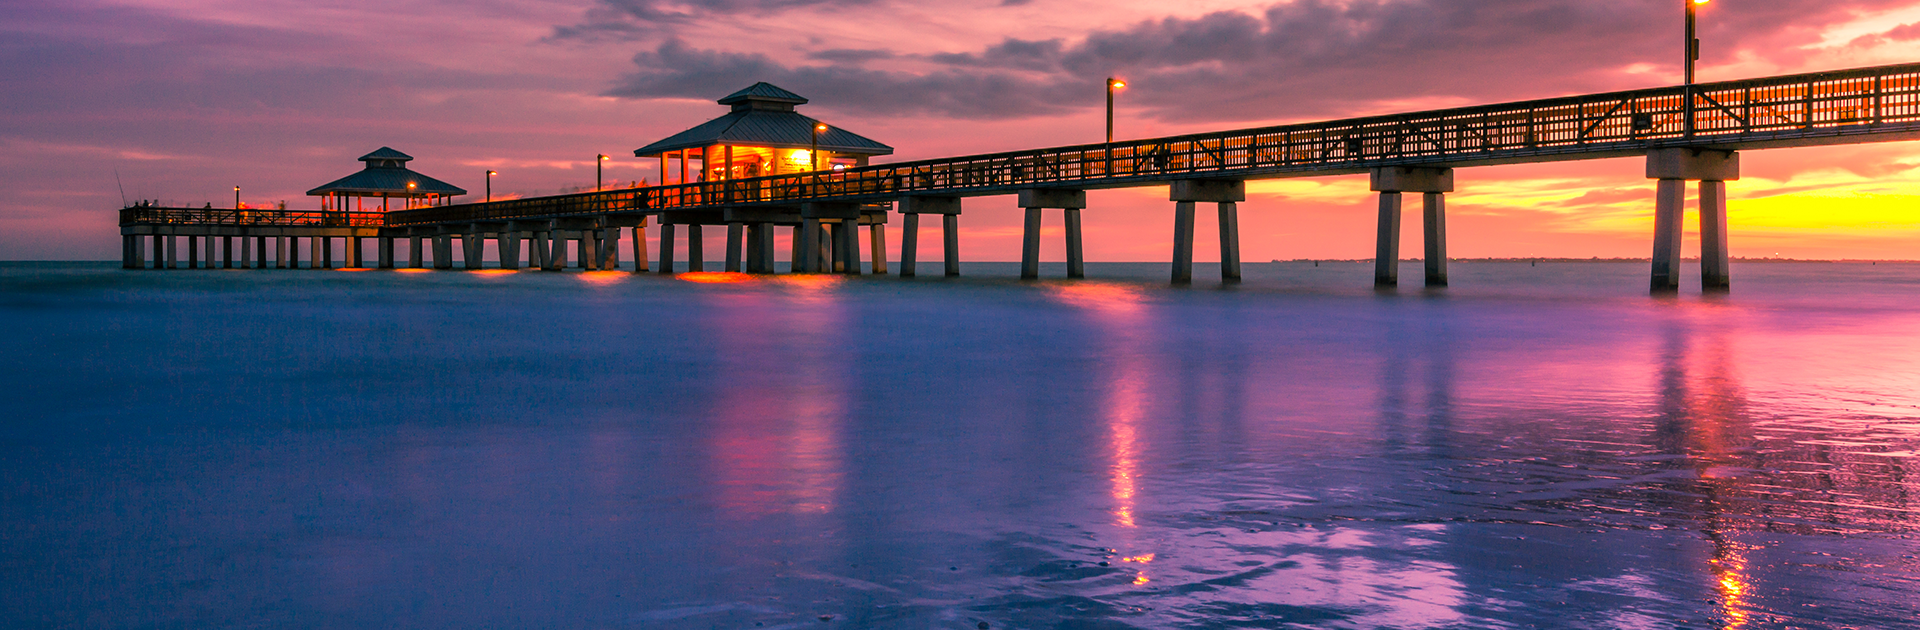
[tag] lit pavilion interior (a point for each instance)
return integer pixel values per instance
(763, 135)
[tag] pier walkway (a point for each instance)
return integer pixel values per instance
(1685, 133)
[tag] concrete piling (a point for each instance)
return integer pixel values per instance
(877, 247)
(696, 245)
(666, 247)
(909, 243)
(736, 243)
(1076, 256)
(1030, 246)
(640, 247)
(1183, 242)
(1669, 196)
(1229, 241)
(1434, 219)
(950, 233)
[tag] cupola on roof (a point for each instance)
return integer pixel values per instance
(387, 175)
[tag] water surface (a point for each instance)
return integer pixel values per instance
(1537, 446)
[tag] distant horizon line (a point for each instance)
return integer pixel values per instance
(1523, 259)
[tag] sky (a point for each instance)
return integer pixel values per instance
(181, 100)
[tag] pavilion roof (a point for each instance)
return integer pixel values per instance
(763, 116)
(386, 175)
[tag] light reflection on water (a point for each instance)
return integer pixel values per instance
(1537, 446)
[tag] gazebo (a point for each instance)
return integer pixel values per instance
(386, 176)
(763, 135)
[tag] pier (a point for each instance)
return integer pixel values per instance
(1685, 134)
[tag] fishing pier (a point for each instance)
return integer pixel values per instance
(766, 167)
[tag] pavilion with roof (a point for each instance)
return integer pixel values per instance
(763, 135)
(386, 176)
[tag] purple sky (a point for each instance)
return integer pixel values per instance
(185, 99)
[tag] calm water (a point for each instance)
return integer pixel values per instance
(1536, 447)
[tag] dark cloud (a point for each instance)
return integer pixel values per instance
(622, 19)
(676, 70)
(1306, 58)
(850, 55)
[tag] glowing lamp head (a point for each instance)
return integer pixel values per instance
(603, 157)
(1116, 83)
(410, 185)
(1700, 1)
(490, 173)
(236, 189)
(820, 127)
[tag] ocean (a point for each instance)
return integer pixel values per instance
(1538, 446)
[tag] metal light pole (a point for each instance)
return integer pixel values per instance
(813, 155)
(596, 171)
(236, 197)
(1692, 55)
(1112, 84)
(490, 186)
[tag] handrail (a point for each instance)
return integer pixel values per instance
(157, 215)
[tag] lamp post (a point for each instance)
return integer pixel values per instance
(813, 154)
(236, 197)
(1112, 84)
(409, 202)
(596, 171)
(1692, 55)
(490, 185)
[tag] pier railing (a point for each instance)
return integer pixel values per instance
(155, 215)
(1774, 111)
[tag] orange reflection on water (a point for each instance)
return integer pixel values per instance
(355, 269)
(603, 277)
(411, 270)
(715, 277)
(493, 272)
(1117, 308)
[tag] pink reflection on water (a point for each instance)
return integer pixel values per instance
(776, 434)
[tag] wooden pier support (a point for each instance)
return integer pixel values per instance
(1673, 168)
(1034, 200)
(1432, 183)
(877, 246)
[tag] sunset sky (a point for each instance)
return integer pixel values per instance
(185, 99)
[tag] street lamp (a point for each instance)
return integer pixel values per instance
(1112, 84)
(409, 201)
(813, 155)
(1692, 55)
(236, 197)
(490, 175)
(596, 171)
